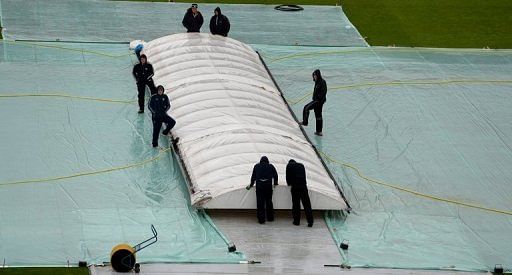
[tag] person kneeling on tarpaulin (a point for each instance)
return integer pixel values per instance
(159, 105)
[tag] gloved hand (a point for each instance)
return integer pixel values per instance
(248, 187)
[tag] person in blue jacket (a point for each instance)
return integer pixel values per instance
(263, 174)
(159, 105)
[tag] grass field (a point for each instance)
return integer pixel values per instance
(433, 23)
(421, 23)
(44, 271)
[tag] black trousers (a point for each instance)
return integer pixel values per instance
(300, 193)
(141, 88)
(157, 125)
(264, 204)
(317, 107)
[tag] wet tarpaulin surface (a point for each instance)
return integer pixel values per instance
(85, 20)
(404, 129)
(78, 173)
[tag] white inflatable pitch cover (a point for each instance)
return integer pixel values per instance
(229, 114)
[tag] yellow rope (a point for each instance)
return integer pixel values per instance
(307, 54)
(361, 175)
(67, 96)
(160, 153)
(374, 50)
(413, 82)
(68, 49)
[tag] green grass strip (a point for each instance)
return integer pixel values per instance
(433, 23)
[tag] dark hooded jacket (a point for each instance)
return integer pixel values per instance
(159, 104)
(295, 174)
(263, 172)
(320, 92)
(193, 24)
(143, 72)
(219, 24)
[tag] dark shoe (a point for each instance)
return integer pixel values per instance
(270, 220)
(141, 111)
(319, 133)
(155, 145)
(261, 222)
(296, 223)
(175, 141)
(165, 133)
(310, 224)
(303, 124)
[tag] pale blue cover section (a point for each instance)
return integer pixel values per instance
(86, 20)
(82, 218)
(433, 121)
(446, 134)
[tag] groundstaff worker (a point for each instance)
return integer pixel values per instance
(193, 19)
(143, 73)
(219, 24)
(319, 97)
(263, 174)
(296, 178)
(159, 105)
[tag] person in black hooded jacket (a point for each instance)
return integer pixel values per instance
(159, 105)
(219, 24)
(193, 19)
(143, 73)
(296, 178)
(262, 175)
(319, 98)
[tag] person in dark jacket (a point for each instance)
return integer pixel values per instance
(296, 178)
(219, 24)
(319, 98)
(262, 175)
(159, 105)
(143, 73)
(193, 19)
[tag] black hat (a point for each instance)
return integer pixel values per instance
(194, 6)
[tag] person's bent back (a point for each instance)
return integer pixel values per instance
(296, 178)
(295, 174)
